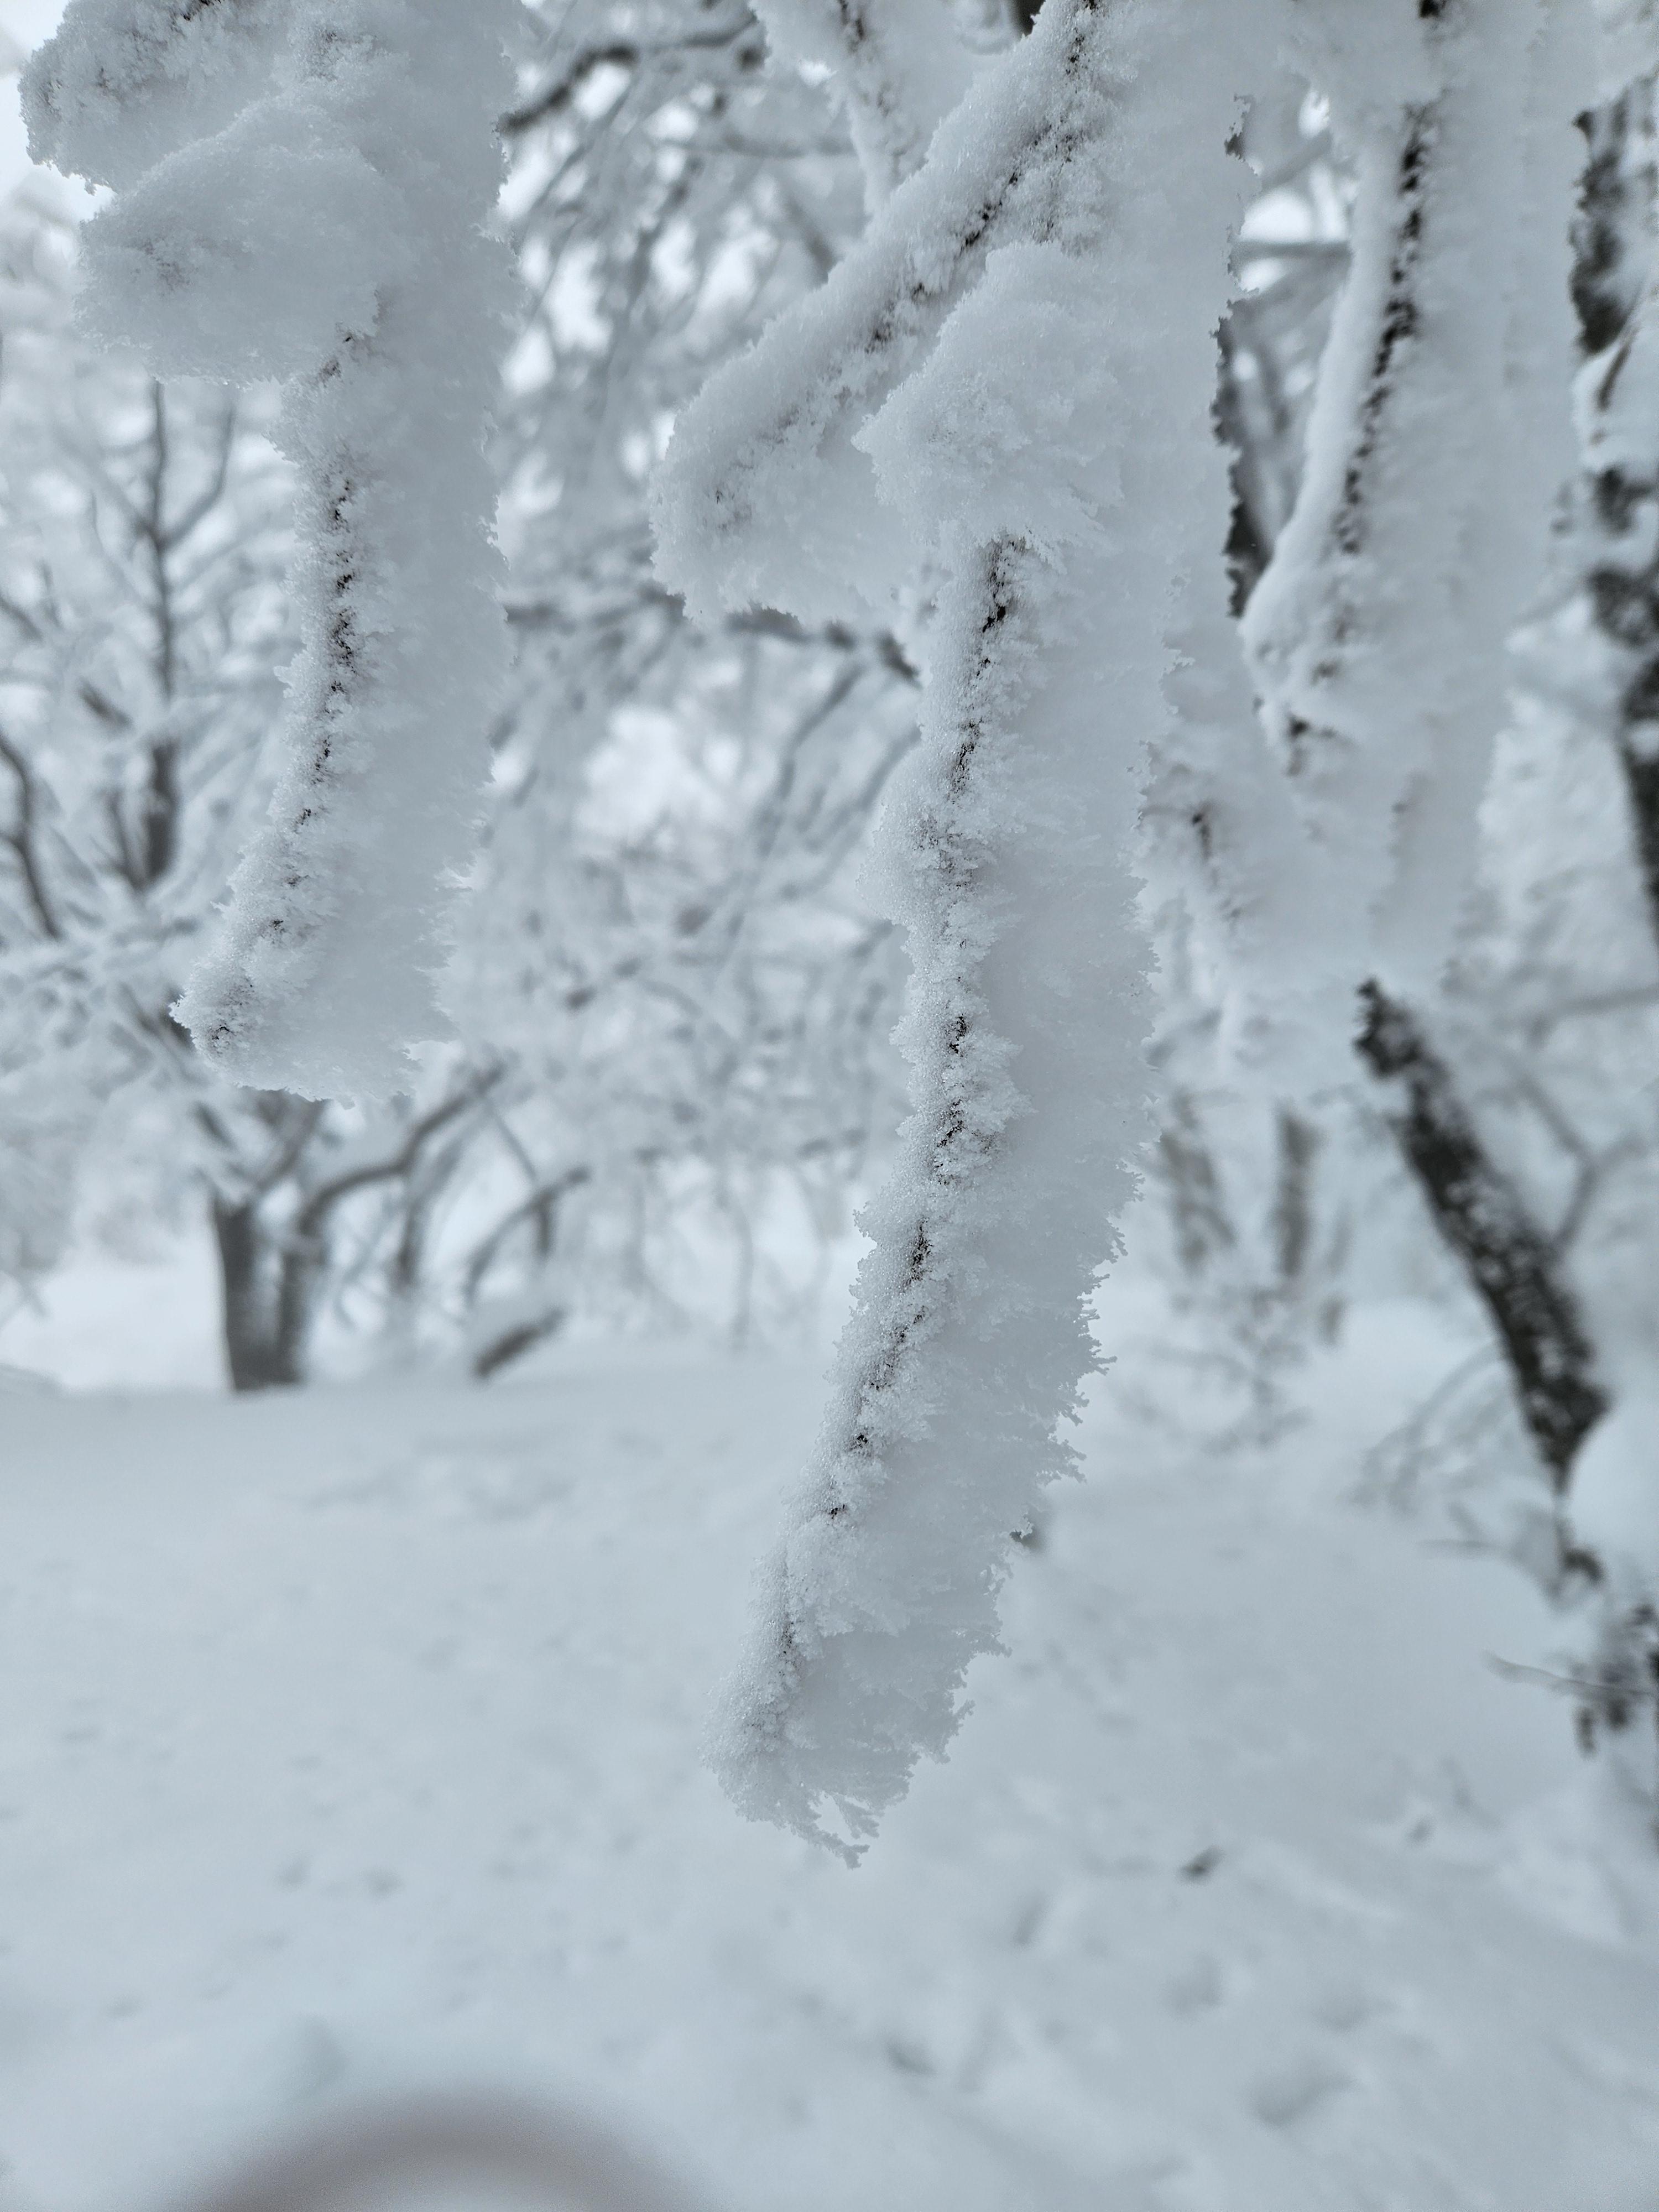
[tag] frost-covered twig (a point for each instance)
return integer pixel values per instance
(300, 193)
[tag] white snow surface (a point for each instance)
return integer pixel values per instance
(351, 1744)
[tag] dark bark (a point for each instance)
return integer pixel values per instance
(271, 1272)
(1397, 331)
(161, 813)
(1249, 535)
(539, 1214)
(1510, 1262)
(1615, 207)
(1293, 1198)
(513, 1343)
(264, 1346)
(1638, 755)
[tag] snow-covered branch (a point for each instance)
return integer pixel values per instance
(1440, 438)
(897, 66)
(1005, 383)
(300, 193)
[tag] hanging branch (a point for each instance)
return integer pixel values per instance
(301, 196)
(1018, 360)
(1378, 634)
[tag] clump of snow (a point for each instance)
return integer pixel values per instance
(126, 83)
(189, 267)
(996, 432)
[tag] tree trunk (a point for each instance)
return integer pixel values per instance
(1510, 1262)
(262, 1344)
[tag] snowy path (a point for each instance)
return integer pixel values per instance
(349, 1741)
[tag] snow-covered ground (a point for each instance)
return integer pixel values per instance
(350, 1740)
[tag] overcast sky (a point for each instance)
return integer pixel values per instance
(23, 23)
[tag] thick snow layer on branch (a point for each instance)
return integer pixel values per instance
(302, 191)
(189, 266)
(1221, 835)
(764, 498)
(125, 82)
(1017, 361)
(1438, 450)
